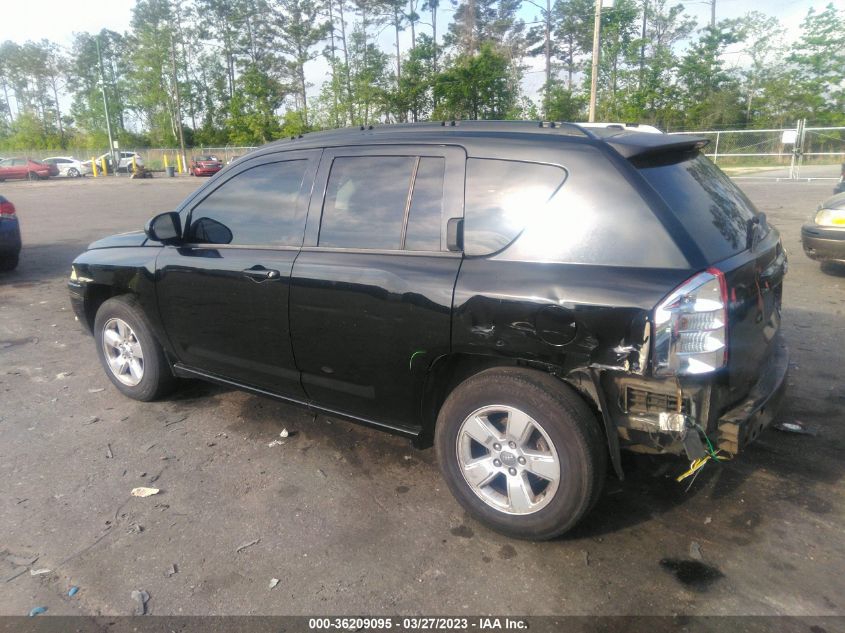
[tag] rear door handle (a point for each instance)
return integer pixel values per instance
(259, 273)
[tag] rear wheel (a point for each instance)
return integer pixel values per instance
(521, 452)
(9, 262)
(130, 355)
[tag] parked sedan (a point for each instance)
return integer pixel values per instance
(824, 237)
(20, 168)
(205, 165)
(69, 166)
(10, 236)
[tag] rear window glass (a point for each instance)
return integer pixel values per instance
(500, 196)
(713, 209)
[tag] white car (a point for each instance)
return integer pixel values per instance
(125, 161)
(69, 166)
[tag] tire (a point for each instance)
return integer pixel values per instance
(73, 172)
(32, 176)
(559, 429)
(146, 374)
(9, 262)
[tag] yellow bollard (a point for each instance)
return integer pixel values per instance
(134, 166)
(94, 166)
(179, 164)
(103, 166)
(165, 163)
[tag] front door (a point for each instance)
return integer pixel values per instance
(223, 294)
(371, 291)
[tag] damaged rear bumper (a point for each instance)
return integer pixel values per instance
(659, 415)
(745, 422)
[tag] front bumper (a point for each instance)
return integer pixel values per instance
(823, 243)
(744, 423)
(210, 171)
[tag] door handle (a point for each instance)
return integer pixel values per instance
(259, 273)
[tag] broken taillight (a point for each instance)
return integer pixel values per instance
(691, 326)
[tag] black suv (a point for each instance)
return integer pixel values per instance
(531, 298)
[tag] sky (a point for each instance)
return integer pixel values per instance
(58, 20)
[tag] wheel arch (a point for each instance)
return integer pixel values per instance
(449, 371)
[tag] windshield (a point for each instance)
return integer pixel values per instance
(711, 207)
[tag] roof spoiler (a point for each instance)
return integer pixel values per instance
(639, 144)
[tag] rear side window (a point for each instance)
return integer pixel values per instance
(257, 207)
(384, 203)
(423, 232)
(500, 197)
(712, 208)
(365, 202)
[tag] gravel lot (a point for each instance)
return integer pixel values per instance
(353, 521)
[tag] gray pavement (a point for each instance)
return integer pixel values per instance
(354, 521)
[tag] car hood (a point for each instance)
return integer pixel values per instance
(133, 238)
(834, 202)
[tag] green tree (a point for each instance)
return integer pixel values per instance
(299, 31)
(476, 87)
(817, 61)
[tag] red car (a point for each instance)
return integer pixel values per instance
(205, 165)
(18, 168)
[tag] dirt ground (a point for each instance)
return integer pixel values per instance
(353, 521)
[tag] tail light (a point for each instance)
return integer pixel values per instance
(7, 210)
(691, 326)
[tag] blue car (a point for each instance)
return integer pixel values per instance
(10, 236)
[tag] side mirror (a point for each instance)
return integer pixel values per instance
(165, 228)
(455, 234)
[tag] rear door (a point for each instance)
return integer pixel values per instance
(371, 291)
(735, 238)
(223, 295)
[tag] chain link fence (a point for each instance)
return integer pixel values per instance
(153, 157)
(802, 152)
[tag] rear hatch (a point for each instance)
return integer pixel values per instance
(734, 237)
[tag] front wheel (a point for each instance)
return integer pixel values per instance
(32, 176)
(128, 351)
(73, 172)
(521, 452)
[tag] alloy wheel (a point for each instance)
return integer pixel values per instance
(123, 352)
(508, 459)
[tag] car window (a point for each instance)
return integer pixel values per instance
(711, 207)
(424, 217)
(257, 207)
(365, 202)
(500, 196)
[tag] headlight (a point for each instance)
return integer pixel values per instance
(830, 217)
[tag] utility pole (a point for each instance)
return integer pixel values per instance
(115, 164)
(178, 104)
(595, 76)
(548, 55)
(642, 44)
(712, 14)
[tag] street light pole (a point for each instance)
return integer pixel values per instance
(178, 102)
(115, 164)
(595, 75)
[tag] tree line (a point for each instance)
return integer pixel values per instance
(238, 69)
